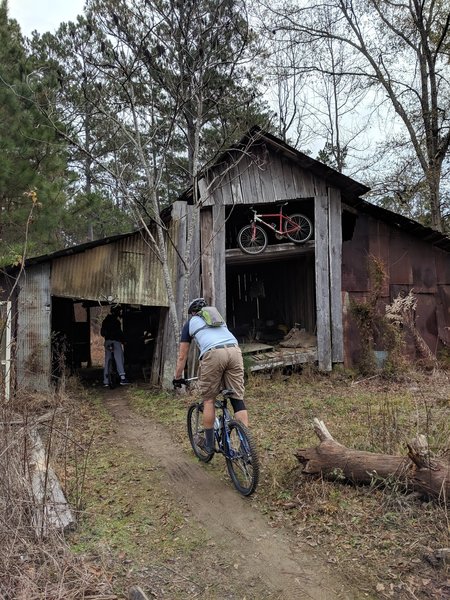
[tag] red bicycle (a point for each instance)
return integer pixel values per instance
(252, 238)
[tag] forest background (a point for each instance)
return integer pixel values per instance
(105, 122)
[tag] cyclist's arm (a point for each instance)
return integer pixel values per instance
(183, 351)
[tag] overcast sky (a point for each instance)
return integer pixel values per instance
(43, 15)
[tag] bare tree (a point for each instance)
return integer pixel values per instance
(400, 48)
(160, 76)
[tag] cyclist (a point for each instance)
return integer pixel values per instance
(221, 365)
(111, 330)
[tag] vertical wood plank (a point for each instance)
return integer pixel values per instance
(321, 210)
(218, 256)
(335, 251)
(207, 255)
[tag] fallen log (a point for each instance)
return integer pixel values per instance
(333, 460)
(431, 475)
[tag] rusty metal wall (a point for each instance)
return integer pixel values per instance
(127, 270)
(411, 264)
(33, 341)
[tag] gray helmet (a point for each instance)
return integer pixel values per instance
(196, 305)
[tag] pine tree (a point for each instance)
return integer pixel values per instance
(32, 161)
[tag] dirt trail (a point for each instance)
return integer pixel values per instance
(285, 567)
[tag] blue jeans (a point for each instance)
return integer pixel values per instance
(118, 355)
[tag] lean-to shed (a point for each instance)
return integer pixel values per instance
(309, 286)
(47, 304)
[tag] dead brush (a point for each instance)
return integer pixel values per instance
(34, 566)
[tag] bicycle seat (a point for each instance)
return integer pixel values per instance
(227, 393)
(281, 203)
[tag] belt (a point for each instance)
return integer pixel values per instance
(224, 346)
(219, 346)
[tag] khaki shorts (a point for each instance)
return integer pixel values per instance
(221, 368)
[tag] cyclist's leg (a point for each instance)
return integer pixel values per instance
(233, 378)
(209, 379)
(240, 411)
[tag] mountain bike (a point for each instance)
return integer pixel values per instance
(113, 374)
(252, 238)
(231, 439)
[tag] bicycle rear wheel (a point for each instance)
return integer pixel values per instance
(196, 432)
(113, 376)
(298, 228)
(242, 459)
(252, 239)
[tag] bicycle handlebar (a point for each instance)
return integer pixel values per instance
(177, 383)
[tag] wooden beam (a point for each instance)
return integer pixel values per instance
(335, 254)
(321, 214)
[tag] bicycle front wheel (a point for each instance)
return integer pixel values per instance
(242, 459)
(196, 432)
(252, 239)
(298, 228)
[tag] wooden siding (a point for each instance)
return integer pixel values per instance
(260, 178)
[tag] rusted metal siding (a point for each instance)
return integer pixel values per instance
(33, 351)
(127, 270)
(410, 264)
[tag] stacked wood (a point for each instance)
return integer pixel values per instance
(417, 471)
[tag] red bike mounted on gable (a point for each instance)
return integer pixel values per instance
(252, 238)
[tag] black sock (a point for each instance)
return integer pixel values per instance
(209, 438)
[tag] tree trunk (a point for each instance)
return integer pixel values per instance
(333, 460)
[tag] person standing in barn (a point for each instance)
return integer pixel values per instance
(220, 365)
(111, 330)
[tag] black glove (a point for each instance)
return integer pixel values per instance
(177, 383)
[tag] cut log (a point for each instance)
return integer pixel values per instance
(333, 460)
(51, 508)
(431, 475)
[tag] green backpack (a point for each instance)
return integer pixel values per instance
(211, 316)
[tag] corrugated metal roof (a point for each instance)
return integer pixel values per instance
(124, 267)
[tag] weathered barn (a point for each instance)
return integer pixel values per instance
(310, 285)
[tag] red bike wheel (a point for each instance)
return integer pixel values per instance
(298, 228)
(252, 239)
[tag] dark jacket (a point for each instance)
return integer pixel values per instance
(112, 329)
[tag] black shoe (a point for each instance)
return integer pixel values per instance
(200, 442)
(124, 381)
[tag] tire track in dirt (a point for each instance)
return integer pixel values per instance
(286, 566)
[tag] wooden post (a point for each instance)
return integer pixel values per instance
(321, 213)
(335, 250)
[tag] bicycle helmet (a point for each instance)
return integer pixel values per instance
(196, 305)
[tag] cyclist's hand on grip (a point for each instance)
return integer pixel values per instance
(177, 383)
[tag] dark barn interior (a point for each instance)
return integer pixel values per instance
(78, 346)
(269, 293)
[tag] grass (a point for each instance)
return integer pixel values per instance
(378, 533)
(131, 529)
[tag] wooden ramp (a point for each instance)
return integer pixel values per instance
(263, 357)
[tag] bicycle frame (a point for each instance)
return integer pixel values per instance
(221, 434)
(280, 217)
